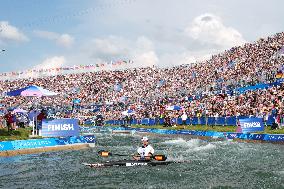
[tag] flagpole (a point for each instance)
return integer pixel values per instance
(33, 126)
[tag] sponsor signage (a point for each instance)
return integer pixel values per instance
(60, 128)
(251, 125)
(37, 143)
(136, 164)
(6, 146)
(89, 138)
(76, 139)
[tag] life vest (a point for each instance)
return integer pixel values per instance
(145, 151)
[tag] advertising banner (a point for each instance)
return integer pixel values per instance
(251, 125)
(76, 139)
(7, 145)
(60, 128)
(37, 143)
(34, 143)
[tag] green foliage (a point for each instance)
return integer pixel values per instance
(20, 134)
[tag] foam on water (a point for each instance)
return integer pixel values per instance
(191, 145)
(179, 141)
(206, 147)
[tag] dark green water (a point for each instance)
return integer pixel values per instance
(213, 165)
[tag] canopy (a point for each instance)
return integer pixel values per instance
(19, 110)
(128, 112)
(173, 107)
(31, 91)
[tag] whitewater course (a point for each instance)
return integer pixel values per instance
(209, 163)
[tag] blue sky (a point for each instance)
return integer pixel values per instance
(56, 33)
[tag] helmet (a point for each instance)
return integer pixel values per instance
(144, 138)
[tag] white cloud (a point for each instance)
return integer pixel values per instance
(144, 53)
(144, 43)
(141, 50)
(64, 40)
(175, 59)
(48, 63)
(53, 62)
(204, 36)
(10, 33)
(210, 30)
(111, 46)
(145, 59)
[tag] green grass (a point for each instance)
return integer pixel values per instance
(20, 134)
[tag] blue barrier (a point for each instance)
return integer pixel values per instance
(188, 121)
(179, 121)
(194, 121)
(6, 146)
(274, 138)
(152, 121)
(231, 120)
(213, 134)
(202, 121)
(228, 121)
(24, 144)
(36, 143)
(220, 121)
(134, 122)
(270, 120)
(161, 121)
(211, 121)
(145, 121)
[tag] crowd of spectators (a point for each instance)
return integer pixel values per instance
(202, 89)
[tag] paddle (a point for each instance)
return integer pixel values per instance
(159, 157)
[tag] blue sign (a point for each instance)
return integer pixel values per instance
(35, 143)
(7, 145)
(76, 139)
(89, 138)
(274, 138)
(60, 127)
(251, 125)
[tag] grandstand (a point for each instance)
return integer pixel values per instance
(242, 81)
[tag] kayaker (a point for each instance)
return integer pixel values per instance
(146, 151)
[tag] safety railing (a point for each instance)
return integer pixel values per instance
(211, 121)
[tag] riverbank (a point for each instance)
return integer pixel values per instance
(209, 128)
(44, 149)
(24, 134)
(216, 135)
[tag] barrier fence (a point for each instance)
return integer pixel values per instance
(278, 138)
(46, 142)
(211, 121)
